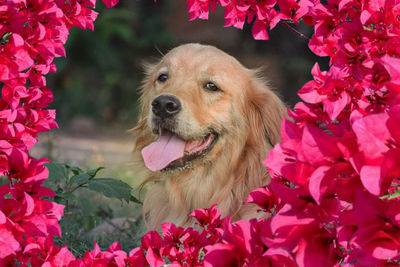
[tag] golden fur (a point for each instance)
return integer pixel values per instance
(247, 116)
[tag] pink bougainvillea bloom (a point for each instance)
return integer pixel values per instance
(374, 137)
(263, 198)
(209, 217)
(9, 245)
(391, 64)
(236, 13)
(333, 195)
(200, 8)
(110, 3)
(137, 258)
(152, 242)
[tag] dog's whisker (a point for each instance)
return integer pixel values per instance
(158, 50)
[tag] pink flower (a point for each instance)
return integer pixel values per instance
(113, 257)
(208, 217)
(43, 252)
(9, 245)
(235, 248)
(241, 245)
(137, 258)
(377, 155)
(151, 242)
(330, 88)
(263, 198)
(375, 233)
(110, 3)
(32, 34)
(200, 8)
(334, 174)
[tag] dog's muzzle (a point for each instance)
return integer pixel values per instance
(171, 151)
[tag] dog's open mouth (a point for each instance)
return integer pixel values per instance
(171, 151)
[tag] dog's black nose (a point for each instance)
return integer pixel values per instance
(165, 106)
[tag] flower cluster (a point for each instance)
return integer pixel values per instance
(265, 13)
(32, 34)
(340, 151)
(334, 194)
(180, 245)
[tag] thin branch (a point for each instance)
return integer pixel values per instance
(79, 186)
(294, 30)
(117, 227)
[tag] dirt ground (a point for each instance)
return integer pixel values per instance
(89, 149)
(82, 149)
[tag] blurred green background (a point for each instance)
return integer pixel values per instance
(100, 76)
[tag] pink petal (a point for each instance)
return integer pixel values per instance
(8, 244)
(336, 106)
(315, 182)
(372, 134)
(259, 30)
(30, 204)
(17, 40)
(309, 93)
(263, 198)
(63, 257)
(220, 255)
(154, 259)
(391, 64)
(393, 123)
(110, 3)
(288, 218)
(365, 15)
(385, 250)
(370, 178)
(318, 146)
(3, 218)
(137, 258)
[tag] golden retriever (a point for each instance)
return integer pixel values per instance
(206, 125)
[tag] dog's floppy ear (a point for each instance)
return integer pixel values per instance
(265, 112)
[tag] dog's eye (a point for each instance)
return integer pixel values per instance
(163, 77)
(210, 86)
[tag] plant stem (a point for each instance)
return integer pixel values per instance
(294, 30)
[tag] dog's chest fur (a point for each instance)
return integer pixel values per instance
(177, 194)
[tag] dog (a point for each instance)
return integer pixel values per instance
(205, 128)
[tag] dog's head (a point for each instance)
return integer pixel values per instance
(197, 103)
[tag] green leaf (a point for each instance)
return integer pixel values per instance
(93, 172)
(5, 38)
(136, 200)
(75, 170)
(396, 194)
(68, 196)
(57, 172)
(111, 188)
(80, 179)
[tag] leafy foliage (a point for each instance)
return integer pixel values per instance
(70, 178)
(72, 187)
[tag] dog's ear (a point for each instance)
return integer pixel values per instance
(265, 113)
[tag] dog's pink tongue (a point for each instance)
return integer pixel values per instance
(162, 152)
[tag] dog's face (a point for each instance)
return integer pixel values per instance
(197, 101)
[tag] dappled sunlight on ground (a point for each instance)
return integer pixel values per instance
(90, 150)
